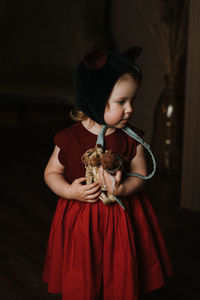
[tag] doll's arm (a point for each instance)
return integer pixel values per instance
(54, 178)
(129, 185)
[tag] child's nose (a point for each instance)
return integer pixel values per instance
(129, 108)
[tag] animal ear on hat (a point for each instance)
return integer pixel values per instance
(95, 59)
(133, 52)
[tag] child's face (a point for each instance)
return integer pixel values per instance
(120, 103)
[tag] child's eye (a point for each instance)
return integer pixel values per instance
(121, 102)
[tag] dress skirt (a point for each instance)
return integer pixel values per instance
(104, 252)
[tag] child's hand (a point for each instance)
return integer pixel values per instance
(85, 193)
(106, 181)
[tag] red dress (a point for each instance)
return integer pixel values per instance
(102, 252)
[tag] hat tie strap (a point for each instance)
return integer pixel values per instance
(100, 138)
(131, 133)
(135, 136)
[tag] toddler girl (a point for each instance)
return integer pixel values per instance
(98, 251)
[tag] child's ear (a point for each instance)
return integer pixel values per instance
(133, 52)
(95, 59)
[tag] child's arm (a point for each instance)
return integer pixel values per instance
(129, 185)
(54, 178)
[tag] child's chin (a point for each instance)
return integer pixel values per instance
(123, 123)
(119, 125)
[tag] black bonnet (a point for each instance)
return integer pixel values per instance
(96, 76)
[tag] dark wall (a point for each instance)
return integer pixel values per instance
(53, 35)
(50, 32)
(130, 28)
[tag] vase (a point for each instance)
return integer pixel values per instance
(165, 137)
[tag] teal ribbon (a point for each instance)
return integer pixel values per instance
(135, 136)
(131, 133)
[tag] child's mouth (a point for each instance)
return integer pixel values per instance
(124, 120)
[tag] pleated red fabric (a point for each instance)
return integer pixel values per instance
(103, 252)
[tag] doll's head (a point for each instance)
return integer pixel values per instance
(99, 75)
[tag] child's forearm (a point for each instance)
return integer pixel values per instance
(129, 186)
(58, 184)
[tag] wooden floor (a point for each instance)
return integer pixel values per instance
(27, 208)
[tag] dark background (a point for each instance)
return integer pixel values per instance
(41, 43)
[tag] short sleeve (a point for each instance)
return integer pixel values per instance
(133, 143)
(60, 140)
(138, 131)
